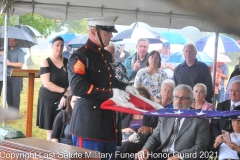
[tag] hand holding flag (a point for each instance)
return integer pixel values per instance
(136, 104)
(120, 95)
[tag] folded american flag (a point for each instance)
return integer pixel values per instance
(136, 105)
(190, 113)
(141, 105)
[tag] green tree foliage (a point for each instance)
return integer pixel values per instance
(77, 26)
(43, 25)
(46, 26)
(2, 20)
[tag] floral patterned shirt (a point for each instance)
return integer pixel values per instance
(152, 82)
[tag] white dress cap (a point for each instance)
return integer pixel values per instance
(102, 21)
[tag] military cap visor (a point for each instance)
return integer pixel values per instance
(107, 28)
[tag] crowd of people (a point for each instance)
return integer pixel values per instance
(76, 83)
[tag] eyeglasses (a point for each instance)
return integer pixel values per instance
(180, 98)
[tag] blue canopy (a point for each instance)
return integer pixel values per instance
(66, 37)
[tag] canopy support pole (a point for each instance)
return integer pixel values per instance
(214, 65)
(5, 61)
(66, 13)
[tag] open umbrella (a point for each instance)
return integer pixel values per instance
(24, 39)
(66, 37)
(179, 58)
(30, 30)
(174, 38)
(221, 57)
(78, 41)
(137, 33)
(225, 44)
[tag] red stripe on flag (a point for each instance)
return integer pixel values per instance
(140, 103)
(110, 104)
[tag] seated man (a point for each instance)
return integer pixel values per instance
(218, 125)
(178, 138)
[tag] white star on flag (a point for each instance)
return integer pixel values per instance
(200, 113)
(178, 112)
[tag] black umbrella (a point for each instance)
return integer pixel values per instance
(30, 30)
(137, 33)
(24, 39)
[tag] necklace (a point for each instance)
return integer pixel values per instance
(64, 69)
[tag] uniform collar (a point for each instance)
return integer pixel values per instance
(93, 45)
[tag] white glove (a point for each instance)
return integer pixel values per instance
(132, 90)
(120, 95)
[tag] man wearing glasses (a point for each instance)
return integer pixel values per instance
(169, 142)
(218, 125)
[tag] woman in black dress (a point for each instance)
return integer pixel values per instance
(55, 86)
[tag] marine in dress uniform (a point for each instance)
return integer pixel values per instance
(92, 78)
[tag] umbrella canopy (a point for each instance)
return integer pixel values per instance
(66, 37)
(137, 33)
(24, 39)
(238, 41)
(30, 30)
(78, 41)
(174, 38)
(221, 57)
(225, 44)
(179, 58)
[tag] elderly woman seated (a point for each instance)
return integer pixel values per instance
(228, 144)
(199, 93)
(165, 97)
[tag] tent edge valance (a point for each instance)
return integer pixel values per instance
(127, 16)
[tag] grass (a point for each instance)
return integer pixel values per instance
(20, 124)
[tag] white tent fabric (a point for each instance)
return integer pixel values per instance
(163, 13)
(173, 14)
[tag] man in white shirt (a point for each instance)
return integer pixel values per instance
(218, 125)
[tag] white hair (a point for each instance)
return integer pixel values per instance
(186, 88)
(191, 45)
(202, 85)
(170, 82)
